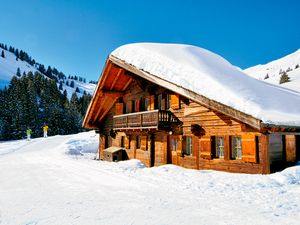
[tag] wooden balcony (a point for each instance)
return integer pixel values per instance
(154, 119)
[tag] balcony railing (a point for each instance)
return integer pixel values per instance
(154, 119)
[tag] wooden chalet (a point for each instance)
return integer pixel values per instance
(159, 122)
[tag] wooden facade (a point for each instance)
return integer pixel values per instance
(157, 125)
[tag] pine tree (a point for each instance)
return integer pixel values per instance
(17, 53)
(72, 84)
(284, 78)
(49, 72)
(297, 66)
(2, 54)
(266, 77)
(18, 74)
(41, 68)
(60, 85)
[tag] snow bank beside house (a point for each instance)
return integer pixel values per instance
(210, 75)
(83, 144)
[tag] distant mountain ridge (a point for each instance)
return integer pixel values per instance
(271, 72)
(14, 62)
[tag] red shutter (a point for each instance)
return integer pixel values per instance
(137, 105)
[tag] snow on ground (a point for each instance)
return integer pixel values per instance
(56, 181)
(210, 75)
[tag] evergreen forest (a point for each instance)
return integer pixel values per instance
(32, 100)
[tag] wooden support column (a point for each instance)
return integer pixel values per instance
(101, 146)
(264, 154)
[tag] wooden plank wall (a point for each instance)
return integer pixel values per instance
(255, 158)
(216, 124)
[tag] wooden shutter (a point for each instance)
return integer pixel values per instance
(290, 147)
(206, 147)
(119, 108)
(175, 102)
(248, 148)
(151, 99)
(137, 105)
(144, 143)
(179, 146)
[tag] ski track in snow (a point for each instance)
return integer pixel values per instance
(42, 183)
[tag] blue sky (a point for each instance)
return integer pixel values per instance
(77, 36)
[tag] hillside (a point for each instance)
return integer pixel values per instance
(56, 181)
(274, 69)
(10, 63)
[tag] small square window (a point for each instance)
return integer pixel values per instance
(187, 146)
(236, 147)
(219, 148)
(138, 142)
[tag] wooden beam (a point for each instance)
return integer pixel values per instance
(108, 108)
(105, 75)
(111, 93)
(116, 78)
(96, 96)
(100, 108)
(127, 84)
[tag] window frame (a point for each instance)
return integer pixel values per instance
(234, 149)
(217, 154)
(138, 142)
(122, 144)
(187, 145)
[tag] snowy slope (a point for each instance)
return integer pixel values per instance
(87, 87)
(211, 75)
(9, 66)
(54, 181)
(273, 69)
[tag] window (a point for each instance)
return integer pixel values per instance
(133, 106)
(122, 141)
(159, 99)
(174, 143)
(146, 104)
(138, 142)
(168, 102)
(236, 147)
(187, 145)
(219, 147)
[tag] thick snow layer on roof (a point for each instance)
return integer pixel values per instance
(210, 75)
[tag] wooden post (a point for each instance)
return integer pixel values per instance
(101, 146)
(264, 153)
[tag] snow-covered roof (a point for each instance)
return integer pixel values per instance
(210, 75)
